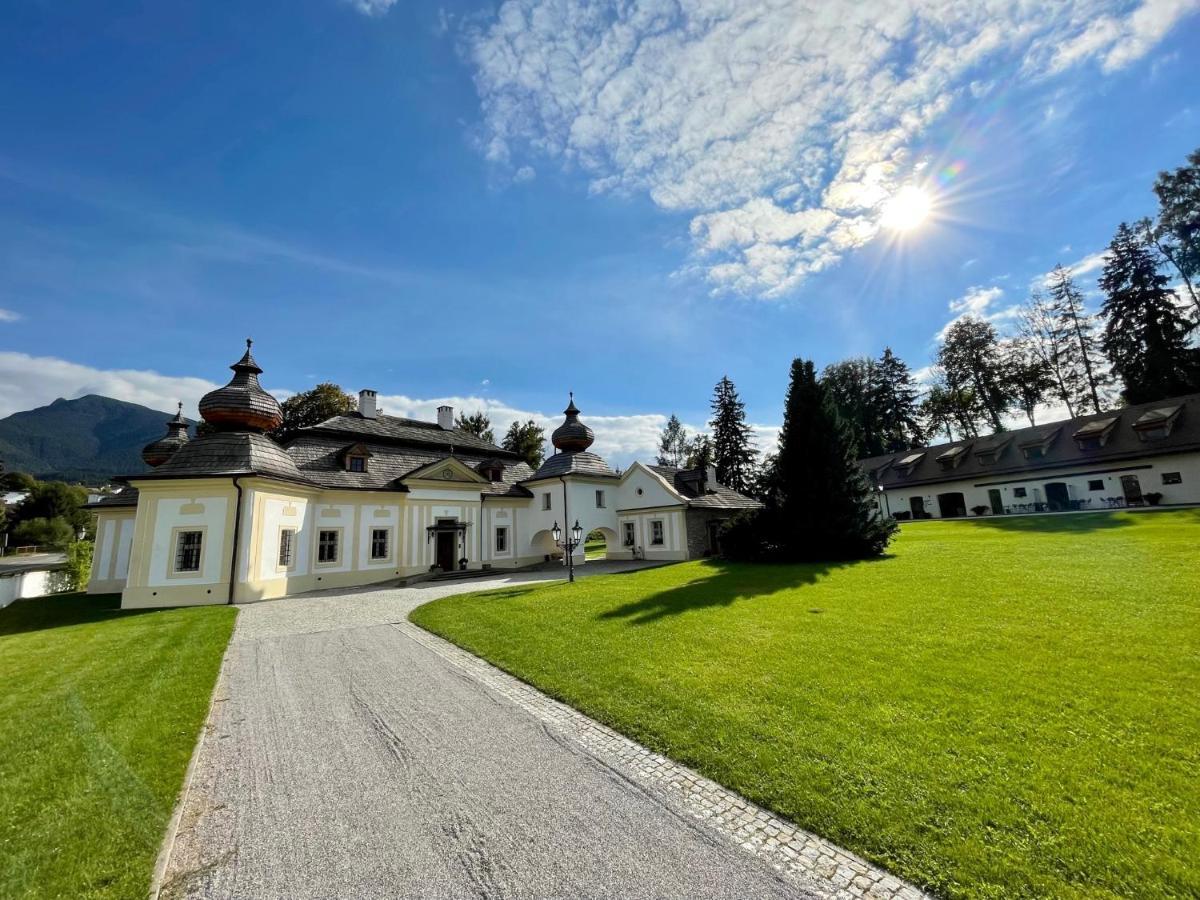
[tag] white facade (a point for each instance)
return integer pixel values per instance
(22, 585)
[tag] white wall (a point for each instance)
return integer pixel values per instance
(22, 585)
(975, 490)
(114, 538)
(208, 513)
(580, 506)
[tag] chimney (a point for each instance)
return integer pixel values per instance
(709, 485)
(366, 404)
(445, 417)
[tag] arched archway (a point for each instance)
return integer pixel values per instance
(600, 543)
(542, 544)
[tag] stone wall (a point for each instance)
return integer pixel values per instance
(697, 530)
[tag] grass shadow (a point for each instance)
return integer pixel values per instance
(1066, 523)
(62, 610)
(727, 584)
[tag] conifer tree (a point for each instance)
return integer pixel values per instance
(732, 445)
(853, 385)
(1087, 380)
(527, 439)
(1177, 231)
(673, 444)
(1147, 335)
(478, 424)
(896, 405)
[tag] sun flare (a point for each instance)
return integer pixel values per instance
(906, 209)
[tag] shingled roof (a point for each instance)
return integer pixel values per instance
(392, 429)
(227, 453)
(1149, 429)
(576, 463)
(126, 496)
(713, 495)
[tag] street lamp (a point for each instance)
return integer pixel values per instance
(575, 539)
(883, 496)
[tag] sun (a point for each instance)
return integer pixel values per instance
(906, 209)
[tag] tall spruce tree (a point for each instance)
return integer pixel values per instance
(1087, 379)
(527, 439)
(673, 444)
(824, 506)
(896, 404)
(971, 356)
(733, 450)
(1147, 335)
(1177, 230)
(853, 385)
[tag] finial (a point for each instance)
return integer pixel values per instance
(180, 410)
(249, 343)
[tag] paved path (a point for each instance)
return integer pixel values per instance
(349, 754)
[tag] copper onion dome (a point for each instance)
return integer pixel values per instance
(242, 405)
(572, 436)
(164, 448)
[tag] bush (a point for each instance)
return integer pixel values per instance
(743, 537)
(980, 510)
(1153, 498)
(79, 564)
(56, 533)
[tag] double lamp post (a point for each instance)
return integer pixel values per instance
(573, 541)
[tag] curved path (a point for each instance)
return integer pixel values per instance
(346, 756)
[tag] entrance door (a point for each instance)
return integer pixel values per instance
(447, 544)
(1132, 489)
(996, 501)
(917, 505)
(1058, 498)
(952, 505)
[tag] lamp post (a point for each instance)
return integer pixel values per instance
(573, 541)
(883, 496)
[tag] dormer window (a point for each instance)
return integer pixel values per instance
(953, 457)
(1036, 445)
(906, 465)
(1157, 424)
(354, 458)
(1095, 434)
(491, 469)
(988, 453)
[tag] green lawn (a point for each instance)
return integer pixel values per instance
(99, 712)
(1000, 708)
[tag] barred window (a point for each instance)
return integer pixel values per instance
(502, 540)
(327, 546)
(287, 548)
(187, 551)
(379, 543)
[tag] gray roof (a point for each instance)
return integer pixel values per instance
(1066, 443)
(318, 458)
(357, 427)
(32, 562)
(579, 463)
(714, 496)
(127, 496)
(228, 453)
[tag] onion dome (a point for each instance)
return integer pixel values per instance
(164, 448)
(572, 436)
(242, 405)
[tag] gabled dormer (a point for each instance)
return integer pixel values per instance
(1095, 434)
(355, 458)
(952, 458)
(1156, 424)
(1034, 446)
(491, 469)
(905, 465)
(989, 452)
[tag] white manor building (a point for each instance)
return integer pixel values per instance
(1136, 456)
(232, 516)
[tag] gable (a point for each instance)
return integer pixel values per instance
(641, 488)
(445, 470)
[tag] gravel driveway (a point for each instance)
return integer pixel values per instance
(345, 759)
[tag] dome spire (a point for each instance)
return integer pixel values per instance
(572, 436)
(158, 452)
(242, 405)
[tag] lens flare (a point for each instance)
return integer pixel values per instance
(906, 209)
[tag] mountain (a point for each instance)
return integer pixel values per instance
(89, 439)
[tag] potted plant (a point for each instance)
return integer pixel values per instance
(980, 510)
(1153, 498)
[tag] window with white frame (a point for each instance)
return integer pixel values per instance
(599, 499)
(188, 545)
(630, 534)
(656, 532)
(287, 547)
(502, 539)
(327, 546)
(379, 543)
(546, 500)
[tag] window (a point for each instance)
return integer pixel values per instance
(287, 547)
(358, 464)
(502, 539)
(546, 501)
(630, 534)
(187, 551)
(1019, 492)
(1034, 452)
(656, 532)
(327, 546)
(1096, 484)
(1172, 478)
(379, 543)
(599, 499)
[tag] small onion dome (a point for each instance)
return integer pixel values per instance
(164, 448)
(242, 405)
(572, 436)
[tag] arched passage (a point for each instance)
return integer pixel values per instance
(600, 543)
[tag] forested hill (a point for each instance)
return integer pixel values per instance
(89, 439)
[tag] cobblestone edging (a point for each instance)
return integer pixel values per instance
(814, 864)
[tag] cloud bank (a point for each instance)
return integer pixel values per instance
(781, 128)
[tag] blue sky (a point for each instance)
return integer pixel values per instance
(496, 203)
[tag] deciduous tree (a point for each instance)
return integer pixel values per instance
(312, 407)
(971, 356)
(527, 439)
(478, 424)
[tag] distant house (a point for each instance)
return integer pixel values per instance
(30, 575)
(232, 516)
(1134, 456)
(12, 498)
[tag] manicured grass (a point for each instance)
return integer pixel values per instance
(1000, 708)
(99, 712)
(595, 548)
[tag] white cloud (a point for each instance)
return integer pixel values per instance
(7, 315)
(28, 381)
(523, 174)
(980, 302)
(372, 7)
(780, 129)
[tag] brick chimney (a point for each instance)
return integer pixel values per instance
(367, 404)
(446, 417)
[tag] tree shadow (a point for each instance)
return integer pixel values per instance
(1068, 523)
(726, 583)
(62, 610)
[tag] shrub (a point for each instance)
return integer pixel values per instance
(79, 564)
(55, 532)
(980, 510)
